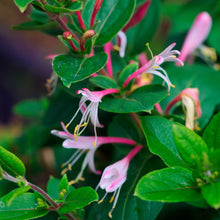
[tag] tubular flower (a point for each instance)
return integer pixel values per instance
(190, 99)
(123, 43)
(85, 144)
(114, 176)
(153, 65)
(196, 35)
(90, 111)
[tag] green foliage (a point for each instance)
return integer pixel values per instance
(111, 18)
(15, 210)
(141, 99)
(160, 140)
(10, 163)
(191, 147)
(22, 4)
(73, 69)
(172, 184)
(212, 133)
(104, 82)
(79, 198)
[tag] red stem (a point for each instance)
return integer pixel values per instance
(80, 20)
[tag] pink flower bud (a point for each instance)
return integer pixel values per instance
(196, 35)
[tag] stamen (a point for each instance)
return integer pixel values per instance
(69, 167)
(172, 85)
(116, 47)
(63, 165)
(64, 171)
(112, 199)
(67, 126)
(94, 144)
(155, 67)
(75, 137)
(100, 201)
(110, 214)
(72, 182)
(82, 179)
(173, 56)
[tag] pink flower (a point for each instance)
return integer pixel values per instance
(138, 15)
(115, 175)
(196, 35)
(85, 144)
(90, 111)
(190, 99)
(153, 65)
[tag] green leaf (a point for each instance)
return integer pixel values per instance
(22, 4)
(213, 36)
(75, 6)
(111, 18)
(23, 207)
(104, 82)
(33, 25)
(199, 76)
(78, 199)
(211, 193)
(174, 184)
(7, 199)
(10, 163)
(73, 69)
(191, 147)
(212, 133)
(141, 99)
(31, 108)
(159, 135)
(143, 32)
(63, 184)
(52, 187)
(125, 73)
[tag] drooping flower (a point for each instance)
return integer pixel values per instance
(153, 65)
(190, 99)
(107, 48)
(85, 144)
(123, 43)
(114, 176)
(90, 111)
(196, 35)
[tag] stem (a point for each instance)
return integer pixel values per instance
(107, 48)
(103, 72)
(80, 20)
(136, 119)
(37, 189)
(65, 28)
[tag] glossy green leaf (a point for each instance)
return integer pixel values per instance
(64, 184)
(199, 76)
(23, 207)
(211, 193)
(141, 99)
(174, 184)
(7, 199)
(52, 187)
(78, 199)
(125, 73)
(159, 135)
(214, 157)
(191, 147)
(143, 32)
(10, 163)
(212, 133)
(75, 6)
(213, 36)
(22, 4)
(31, 108)
(111, 18)
(73, 69)
(104, 82)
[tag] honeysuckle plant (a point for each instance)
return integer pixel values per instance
(129, 117)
